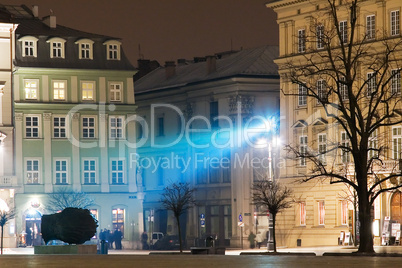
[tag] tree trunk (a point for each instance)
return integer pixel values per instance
(366, 236)
(273, 230)
(178, 226)
(2, 232)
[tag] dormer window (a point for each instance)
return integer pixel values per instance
(29, 46)
(112, 49)
(85, 49)
(56, 47)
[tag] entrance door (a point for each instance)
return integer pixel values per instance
(396, 207)
(33, 229)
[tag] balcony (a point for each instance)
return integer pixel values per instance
(384, 167)
(8, 181)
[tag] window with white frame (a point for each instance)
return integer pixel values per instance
(115, 91)
(320, 36)
(301, 41)
(31, 88)
(116, 127)
(373, 145)
(85, 48)
(88, 127)
(32, 127)
(371, 84)
(370, 27)
(322, 147)
(345, 145)
(117, 171)
(396, 142)
(395, 22)
(302, 97)
(89, 171)
(344, 212)
(321, 212)
(112, 49)
(302, 211)
(321, 91)
(343, 30)
(32, 171)
(396, 81)
(59, 90)
(29, 46)
(56, 47)
(118, 219)
(61, 171)
(343, 89)
(303, 149)
(59, 127)
(87, 90)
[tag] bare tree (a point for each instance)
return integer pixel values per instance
(5, 216)
(64, 198)
(274, 196)
(351, 77)
(178, 198)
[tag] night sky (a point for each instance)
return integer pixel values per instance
(168, 29)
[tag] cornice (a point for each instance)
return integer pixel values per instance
(283, 3)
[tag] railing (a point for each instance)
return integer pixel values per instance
(384, 167)
(8, 181)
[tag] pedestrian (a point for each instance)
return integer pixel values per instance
(259, 239)
(144, 240)
(118, 235)
(251, 238)
(109, 238)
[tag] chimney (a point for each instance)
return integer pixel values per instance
(35, 11)
(211, 64)
(170, 68)
(50, 21)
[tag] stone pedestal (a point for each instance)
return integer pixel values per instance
(66, 249)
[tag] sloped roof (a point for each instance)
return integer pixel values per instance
(250, 62)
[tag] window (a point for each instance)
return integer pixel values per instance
(213, 112)
(370, 27)
(321, 212)
(396, 81)
(59, 90)
(226, 165)
(320, 36)
(303, 149)
(373, 144)
(302, 95)
(371, 84)
(32, 127)
(31, 87)
(112, 49)
(118, 219)
(301, 43)
(345, 144)
(32, 171)
(344, 212)
(161, 126)
(115, 91)
(89, 171)
(343, 31)
(395, 23)
(321, 91)
(88, 127)
(29, 46)
(87, 90)
(85, 49)
(396, 142)
(160, 176)
(116, 127)
(60, 171)
(343, 89)
(322, 147)
(117, 171)
(302, 209)
(59, 127)
(56, 47)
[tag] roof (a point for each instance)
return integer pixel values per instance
(12, 13)
(256, 62)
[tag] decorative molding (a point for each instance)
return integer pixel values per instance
(47, 116)
(103, 117)
(245, 102)
(188, 110)
(18, 116)
(75, 116)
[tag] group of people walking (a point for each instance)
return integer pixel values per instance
(110, 237)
